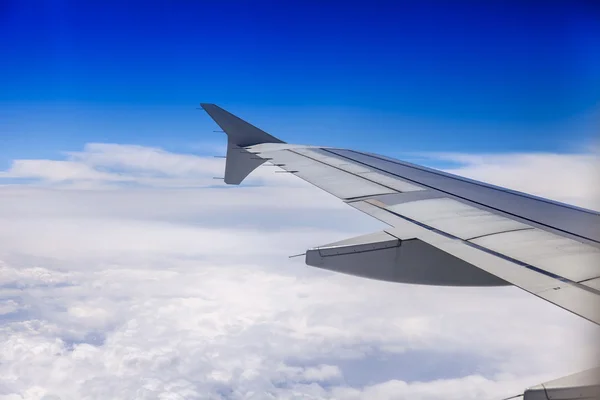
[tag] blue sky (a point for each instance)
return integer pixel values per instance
(391, 77)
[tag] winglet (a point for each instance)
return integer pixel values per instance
(240, 134)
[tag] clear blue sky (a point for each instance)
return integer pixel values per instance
(382, 76)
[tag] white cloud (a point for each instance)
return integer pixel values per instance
(101, 166)
(57, 171)
(149, 159)
(166, 292)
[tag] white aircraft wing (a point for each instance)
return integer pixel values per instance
(443, 229)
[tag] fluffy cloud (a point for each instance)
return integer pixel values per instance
(130, 274)
(105, 165)
(57, 171)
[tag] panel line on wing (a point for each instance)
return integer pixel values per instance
(498, 233)
(336, 181)
(385, 189)
(356, 169)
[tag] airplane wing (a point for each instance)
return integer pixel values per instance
(443, 229)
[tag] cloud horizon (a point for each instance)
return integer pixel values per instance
(127, 271)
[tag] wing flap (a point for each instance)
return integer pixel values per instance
(560, 256)
(457, 218)
(563, 257)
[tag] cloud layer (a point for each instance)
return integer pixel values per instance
(128, 272)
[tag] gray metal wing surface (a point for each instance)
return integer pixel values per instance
(443, 229)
